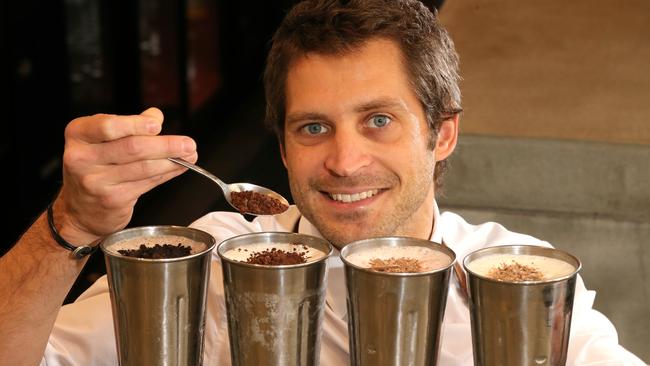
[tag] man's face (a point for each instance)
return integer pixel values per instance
(356, 145)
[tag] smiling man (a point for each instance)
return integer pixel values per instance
(363, 96)
(357, 145)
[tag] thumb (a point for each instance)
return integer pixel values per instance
(154, 113)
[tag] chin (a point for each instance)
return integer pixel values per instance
(339, 241)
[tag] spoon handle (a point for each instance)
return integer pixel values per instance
(222, 185)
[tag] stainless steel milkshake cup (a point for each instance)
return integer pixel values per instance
(275, 312)
(520, 323)
(395, 318)
(159, 304)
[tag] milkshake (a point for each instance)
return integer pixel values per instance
(520, 302)
(274, 286)
(520, 267)
(400, 259)
(396, 297)
(158, 282)
(157, 247)
(274, 253)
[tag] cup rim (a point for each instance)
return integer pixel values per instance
(527, 249)
(158, 230)
(394, 239)
(260, 235)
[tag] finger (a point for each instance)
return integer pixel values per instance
(154, 113)
(136, 148)
(114, 187)
(108, 127)
(129, 191)
(110, 200)
(141, 170)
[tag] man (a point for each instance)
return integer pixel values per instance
(365, 101)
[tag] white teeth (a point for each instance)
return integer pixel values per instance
(347, 198)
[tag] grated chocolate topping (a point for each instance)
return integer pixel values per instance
(158, 251)
(276, 257)
(515, 272)
(395, 265)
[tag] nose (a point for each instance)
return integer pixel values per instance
(348, 153)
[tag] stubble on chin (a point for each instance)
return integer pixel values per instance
(344, 231)
(345, 228)
(342, 228)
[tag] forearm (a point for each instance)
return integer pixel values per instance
(108, 163)
(36, 275)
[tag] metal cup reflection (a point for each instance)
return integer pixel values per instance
(520, 323)
(159, 304)
(275, 312)
(395, 318)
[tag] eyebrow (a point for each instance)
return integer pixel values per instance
(305, 116)
(379, 103)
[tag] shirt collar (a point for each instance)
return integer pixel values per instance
(436, 233)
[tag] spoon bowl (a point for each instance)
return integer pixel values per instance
(252, 191)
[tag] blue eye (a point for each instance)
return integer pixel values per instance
(314, 129)
(379, 121)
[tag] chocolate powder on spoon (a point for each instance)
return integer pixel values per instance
(257, 203)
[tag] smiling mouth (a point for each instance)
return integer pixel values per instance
(348, 198)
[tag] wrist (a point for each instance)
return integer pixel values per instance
(68, 226)
(66, 236)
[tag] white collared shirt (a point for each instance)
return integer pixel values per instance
(83, 333)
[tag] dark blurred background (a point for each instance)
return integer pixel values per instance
(200, 61)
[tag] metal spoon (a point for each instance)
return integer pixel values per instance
(232, 187)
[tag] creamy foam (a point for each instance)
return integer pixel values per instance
(429, 258)
(150, 241)
(551, 268)
(242, 252)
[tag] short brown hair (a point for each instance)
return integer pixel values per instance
(334, 27)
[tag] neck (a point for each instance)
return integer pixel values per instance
(422, 221)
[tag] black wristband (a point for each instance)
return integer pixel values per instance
(77, 252)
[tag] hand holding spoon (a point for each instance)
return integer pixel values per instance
(246, 198)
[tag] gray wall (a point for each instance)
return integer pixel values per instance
(540, 80)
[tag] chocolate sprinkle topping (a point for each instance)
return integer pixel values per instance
(395, 265)
(276, 257)
(515, 272)
(157, 251)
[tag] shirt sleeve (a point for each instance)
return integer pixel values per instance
(594, 340)
(83, 333)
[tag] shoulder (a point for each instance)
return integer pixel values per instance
(464, 237)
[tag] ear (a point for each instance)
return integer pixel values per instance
(447, 137)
